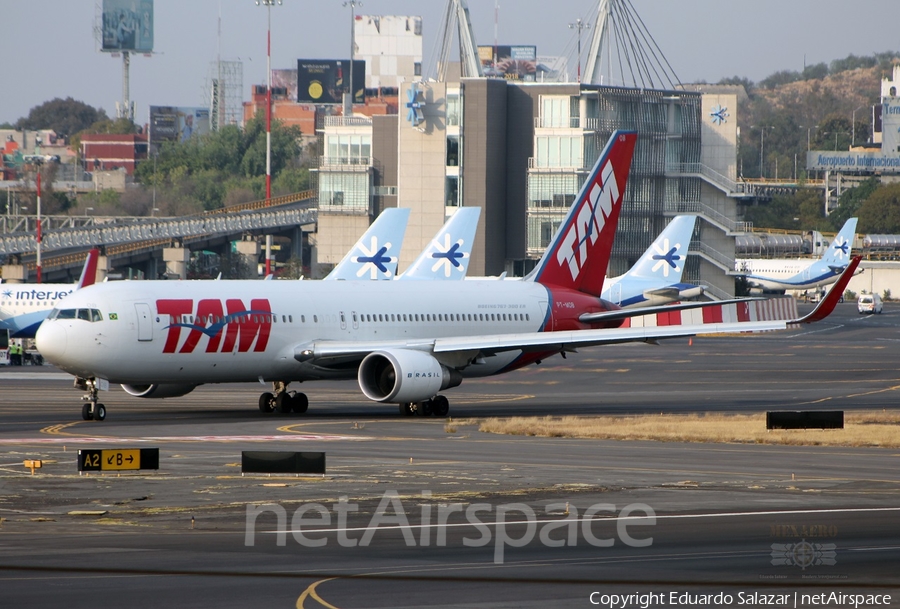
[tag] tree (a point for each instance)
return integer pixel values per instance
(851, 200)
(880, 213)
(64, 116)
(834, 133)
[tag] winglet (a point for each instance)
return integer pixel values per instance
(89, 272)
(827, 304)
(448, 254)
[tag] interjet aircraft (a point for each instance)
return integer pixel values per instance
(376, 254)
(655, 278)
(23, 306)
(780, 274)
(449, 253)
(403, 341)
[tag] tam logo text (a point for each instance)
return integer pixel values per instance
(590, 220)
(244, 329)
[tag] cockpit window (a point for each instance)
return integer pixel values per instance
(91, 315)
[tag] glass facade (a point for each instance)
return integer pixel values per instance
(344, 191)
(668, 126)
(348, 149)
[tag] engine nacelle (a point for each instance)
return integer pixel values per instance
(158, 391)
(404, 375)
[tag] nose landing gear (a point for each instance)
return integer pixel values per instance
(92, 410)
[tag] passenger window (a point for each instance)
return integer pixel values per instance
(315, 319)
(527, 317)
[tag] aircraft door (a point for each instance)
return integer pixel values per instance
(546, 314)
(144, 321)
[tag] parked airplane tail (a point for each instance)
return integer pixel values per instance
(578, 255)
(89, 272)
(376, 254)
(665, 257)
(448, 254)
(838, 254)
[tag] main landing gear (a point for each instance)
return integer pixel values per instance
(438, 406)
(92, 410)
(283, 401)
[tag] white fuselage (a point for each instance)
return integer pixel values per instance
(786, 274)
(136, 342)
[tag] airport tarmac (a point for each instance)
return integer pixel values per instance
(642, 516)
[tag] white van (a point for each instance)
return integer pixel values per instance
(869, 303)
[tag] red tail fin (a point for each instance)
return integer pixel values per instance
(579, 253)
(89, 272)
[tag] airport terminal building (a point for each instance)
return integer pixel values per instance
(520, 151)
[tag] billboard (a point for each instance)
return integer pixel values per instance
(287, 80)
(513, 62)
(127, 25)
(859, 161)
(177, 124)
(324, 81)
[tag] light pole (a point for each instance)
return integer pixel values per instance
(578, 26)
(762, 147)
(268, 4)
(348, 107)
(39, 235)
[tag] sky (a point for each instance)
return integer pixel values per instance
(48, 47)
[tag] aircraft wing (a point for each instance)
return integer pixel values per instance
(626, 313)
(326, 352)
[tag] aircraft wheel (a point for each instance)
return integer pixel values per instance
(265, 403)
(283, 403)
(99, 412)
(86, 412)
(440, 406)
(300, 403)
(424, 409)
(407, 409)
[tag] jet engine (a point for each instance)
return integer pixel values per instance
(159, 391)
(403, 375)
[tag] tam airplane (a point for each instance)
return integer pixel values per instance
(403, 341)
(778, 275)
(23, 306)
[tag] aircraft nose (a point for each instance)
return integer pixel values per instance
(51, 341)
